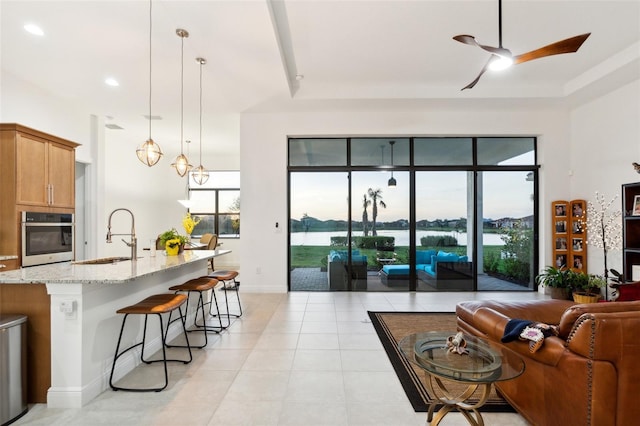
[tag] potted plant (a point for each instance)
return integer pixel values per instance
(172, 241)
(586, 288)
(558, 280)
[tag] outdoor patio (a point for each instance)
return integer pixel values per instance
(313, 279)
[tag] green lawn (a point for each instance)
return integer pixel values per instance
(315, 256)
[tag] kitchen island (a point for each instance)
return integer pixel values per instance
(81, 301)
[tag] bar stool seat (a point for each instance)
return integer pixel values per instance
(230, 284)
(157, 304)
(200, 286)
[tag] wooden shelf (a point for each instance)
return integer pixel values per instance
(569, 234)
(630, 231)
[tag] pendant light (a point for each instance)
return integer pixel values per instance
(392, 181)
(181, 163)
(149, 152)
(200, 175)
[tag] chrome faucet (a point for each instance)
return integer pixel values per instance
(134, 242)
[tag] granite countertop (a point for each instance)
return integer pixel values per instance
(7, 257)
(112, 273)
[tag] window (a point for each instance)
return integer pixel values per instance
(216, 204)
(466, 207)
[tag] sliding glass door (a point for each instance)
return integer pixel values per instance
(318, 231)
(444, 231)
(412, 214)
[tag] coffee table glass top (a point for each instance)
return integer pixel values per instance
(483, 362)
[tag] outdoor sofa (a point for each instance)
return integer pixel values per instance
(440, 270)
(338, 270)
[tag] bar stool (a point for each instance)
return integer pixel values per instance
(153, 305)
(200, 286)
(230, 284)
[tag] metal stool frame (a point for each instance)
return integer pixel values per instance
(230, 276)
(200, 307)
(164, 359)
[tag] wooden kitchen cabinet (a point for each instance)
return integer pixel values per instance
(45, 172)
(37, 173)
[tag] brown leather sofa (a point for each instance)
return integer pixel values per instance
(588, 375)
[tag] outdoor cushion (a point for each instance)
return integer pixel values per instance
(424, 256)
(396, 269)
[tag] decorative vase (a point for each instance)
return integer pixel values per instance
(172, 251)
(585, 298)
(559, 293)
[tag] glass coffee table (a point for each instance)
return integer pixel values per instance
(482, 365)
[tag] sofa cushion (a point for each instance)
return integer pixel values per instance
(396, 269)
(423, 257)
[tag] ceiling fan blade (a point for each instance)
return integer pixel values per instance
(569, 45)
(482, 71)
(471, 41)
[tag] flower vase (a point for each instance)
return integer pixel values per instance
(172, 251)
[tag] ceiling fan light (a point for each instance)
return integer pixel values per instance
(181, 165)
(500, 63)
(200, 175)
(149, 153)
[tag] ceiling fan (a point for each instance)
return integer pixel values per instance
(502, 58)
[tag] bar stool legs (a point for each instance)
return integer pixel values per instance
(200, 286)
(230, 285)
(154, 305)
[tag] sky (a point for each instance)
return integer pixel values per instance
(439, 195)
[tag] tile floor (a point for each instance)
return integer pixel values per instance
(292, 359)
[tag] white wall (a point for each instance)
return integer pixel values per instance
(264, 175)
(26, 104)
(605, 140)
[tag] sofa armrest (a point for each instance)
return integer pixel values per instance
(571, 315)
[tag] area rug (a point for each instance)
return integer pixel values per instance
(392, 327)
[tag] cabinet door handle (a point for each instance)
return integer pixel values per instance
(52, 194)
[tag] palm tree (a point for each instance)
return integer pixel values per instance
(365, 216)
(376, 199)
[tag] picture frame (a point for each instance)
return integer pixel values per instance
(560, 210)
(636, 206)
(576, 243)
(561, 243)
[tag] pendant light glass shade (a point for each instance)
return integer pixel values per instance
(149, 152)
(181, 163)
(200, 175)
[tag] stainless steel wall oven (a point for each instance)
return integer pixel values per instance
(47, 238)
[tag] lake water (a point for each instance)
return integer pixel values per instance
(401, 237)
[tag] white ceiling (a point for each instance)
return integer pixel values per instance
(354, 53)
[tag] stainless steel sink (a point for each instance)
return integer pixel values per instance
(102, 261)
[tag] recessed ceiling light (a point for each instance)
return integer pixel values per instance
(34, 29)
(112, 82)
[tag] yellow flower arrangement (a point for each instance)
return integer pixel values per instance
(189, 222)
(172, 246)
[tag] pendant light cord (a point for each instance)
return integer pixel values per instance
(500, 24)
(201, 63)
(182, 96)
(150, 58)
